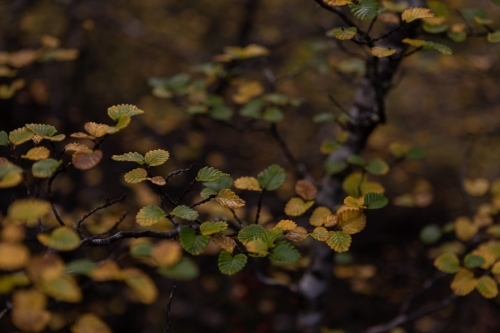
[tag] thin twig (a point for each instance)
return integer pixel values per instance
(259, 206)
(203, 201)
(51, 195)
(103, 206)
(387, 34)
(186, 191)
(179, 172)
(5, 311)
(169, 305)
(95, 241)
(236, 217)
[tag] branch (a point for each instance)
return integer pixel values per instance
(51, 195)
(103, 206)
(95, 241)
(203, 201)
(259, 206)
(6, 310)
(169, 304)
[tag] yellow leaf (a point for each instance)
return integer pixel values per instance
(286, 225)
(77, 147)
(464, 282)
(13, 256)
(224, 242)
(86, 161)
(63, 288)
(393, 6)
(330, 220)
(37, 153)
(142, 285)
(81, 135)
(297, 206)
(337, 3)
(229, 199)
(12, 233)
(136, 176)
(465, 229)
(89, 323)
(339, 241)
(382, 52)
(488, 256)
(28, 310)
(496, 268)
(476, 187)
(316, 218)
(297, 235)
(166, 253)
(28, 210)
(11, 179)
(354, 202)
(247, 91)
(352, 221)
(320, 234)
(416, 13)
(305, 190)
(96, 130)
(108, 271)
(247, 183)
(414, 42)
(46, 266)
(487, 286)
(158, 180)
(257, 247)
(62, 239)
(156, 157)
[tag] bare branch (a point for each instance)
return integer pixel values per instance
(103, 206)
(95, 241)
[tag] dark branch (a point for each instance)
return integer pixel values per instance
(95, 241)
(169, 305)
(51, 195)
(103, 206)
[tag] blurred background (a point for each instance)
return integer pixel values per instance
(74, 59)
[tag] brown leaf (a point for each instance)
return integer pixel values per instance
(86, 161)
(305, 190)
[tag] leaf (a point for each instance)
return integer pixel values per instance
(185, 212)
(63, 288)
(395, 7)
(209, 174)
(86, 161)
(447, 263)
(354, 202)
(90, 323)
(352, 184)
(356, 160)
(364, 9)
(487, 286)
(320, 234)
(351, 221)
(316, 218)
(337, 3)
(129, 157)
(473, 260)
(305, 189)
(377, 167)
(430, 234)
(297, 235)
(252, 109)
(117, 111)
(141, 284)
(185, 269)
(192, 243)
(343, 33)
(285, 252)
(465, 229)
(334, 167)
(43, 130)
(209, 228)
(382, 52)
(61, 239)
(14, 256)
(166, 253)
(476, 187)
(272, 177)
(96, 130)
(136, 176)
(230, 265)
(324, 117)
(416, 13)
(247, 183)
(229, 199)
(80, 266)
(493, 37)
(4, 138)
(224, 242)
(156, 157)
(464, 282)
(374, 200)
(149, 215)
(37, 153)
(28, 310)
(251, 233)
(297, 206)
(286, 225)
(246, 91)
(220, 184)
(45, 168)
(273, 115)
(339, 241)
(28, 210)
(11, 179)
(20, 135)
(428, 45)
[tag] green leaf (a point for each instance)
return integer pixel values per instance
(206, 192)
(185, 269)
(343, 33)
(61, 239)
(45, 168)
(356, 160)
(458, 36)
(141, 250)
(273, 115)
(20, 135)
(285, 252)
(447, 263)
(494, 37)
(230, 265)
(364, 9)
(438, 8)
(129, 157)
(487, 286)
(328, 147)
(377, 167)
(184, 212)
(438, 47)
(149, 215)
(275, 98)
(45, 131)
(252, 109)
(416, 153)
(209, 174)
(470, 13)
(435, 29)
(156, 157)
(4, 138)
(272, 177)
(7, 167)
(339, 241)
(221, 112)
(191, 242)
(334, 167)
(374, 200)
(473, 260)
(115, 112)
(208, 228)
(251, 233)
(136, 176)
(430, 234)
(80, 267)
(353, 183)
(324, 117)
(222, 183)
